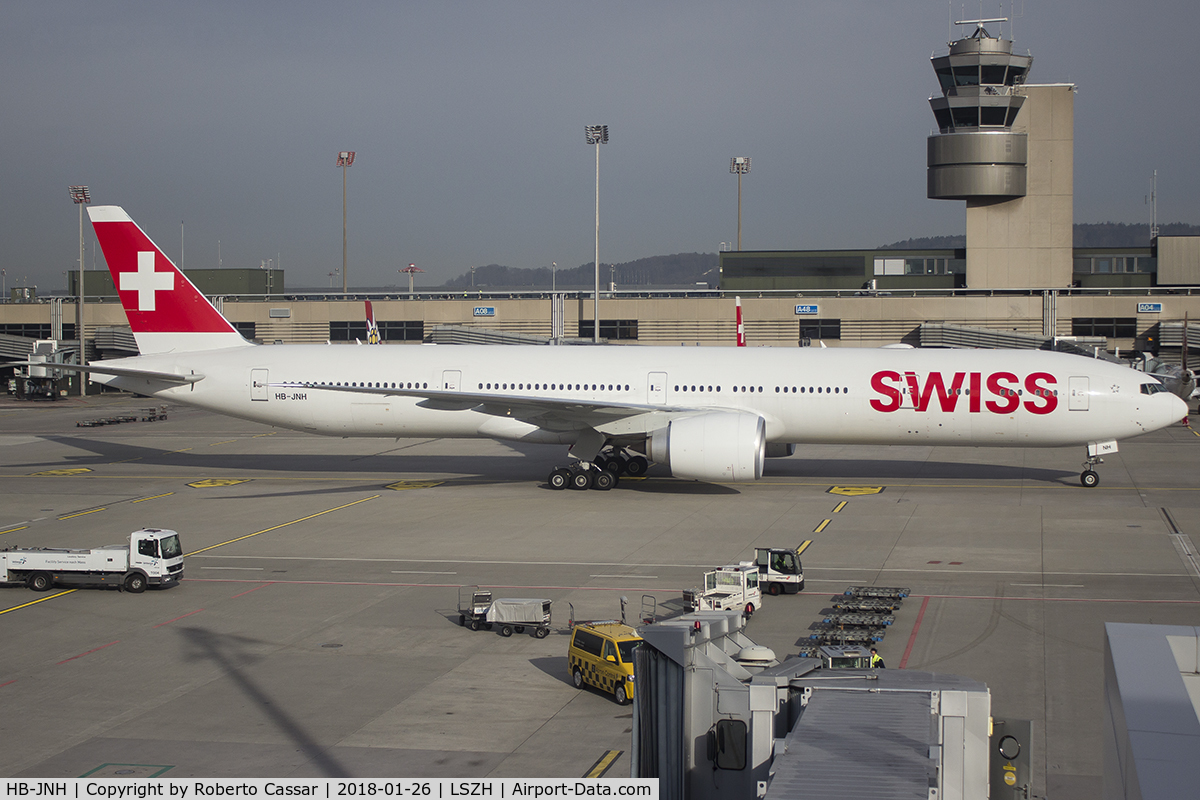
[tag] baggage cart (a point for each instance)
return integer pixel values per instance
(473, 605)
(884, 592)
(515, 614)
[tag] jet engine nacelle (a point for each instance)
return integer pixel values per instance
(719, 446)
(781, 450)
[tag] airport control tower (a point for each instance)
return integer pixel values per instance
(1006, 148)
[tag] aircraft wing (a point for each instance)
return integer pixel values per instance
(122, 372)
(551, 413)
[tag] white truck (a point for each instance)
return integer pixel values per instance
(728, 588)
(779, 568)
(153, 557)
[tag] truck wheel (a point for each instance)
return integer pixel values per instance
(474, 625)
(621, 695)
(135, 583)
(40, 582)
(773, 588)
(506, 630)
(462, 620)
(749, 609)
(577, 678)
(542, 633)
(519, 629)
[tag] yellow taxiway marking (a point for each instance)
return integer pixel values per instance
(603, 765)
(59, 473)
(284, 525)
(401, 485)
(81, 513)
(39, 600)
(259, 435)
(840, 506)
(10, 530)
(227, 441)
(154, 497)
(854, 491)
(209, 483)
(821, 527)
(803, 546)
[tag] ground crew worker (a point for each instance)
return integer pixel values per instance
(877, 660)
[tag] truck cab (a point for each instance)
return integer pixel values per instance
(779, 569)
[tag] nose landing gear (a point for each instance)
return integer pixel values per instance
(1089, 477)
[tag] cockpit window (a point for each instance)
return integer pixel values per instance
(1153, 388)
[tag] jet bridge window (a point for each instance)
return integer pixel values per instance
(727, 744)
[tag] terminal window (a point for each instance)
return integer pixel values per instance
(246, 329)
(610, 329)
(389, 331)
(1114, 264)
(1112, 327)
(811, 329)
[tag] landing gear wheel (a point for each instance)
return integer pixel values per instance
(621, 695)
(577, 678)
(40, 582)
(135, 583)
(542, 633)
(604, 480)
(581, 480)
(559, 478)
(506, 630)
(474, 625)
(601, 462)
(636, 466)
(1089, 478)
(774, 588)
(749, 610)
(617, 465)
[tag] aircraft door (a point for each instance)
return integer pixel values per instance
(1077, 389)
(258, 384)
(656, 389)
(451, 380)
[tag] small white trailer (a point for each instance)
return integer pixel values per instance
(730, 588)
(153, 557)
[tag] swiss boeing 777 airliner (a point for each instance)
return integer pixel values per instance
(710, 414)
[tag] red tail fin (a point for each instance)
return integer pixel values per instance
(165, 310)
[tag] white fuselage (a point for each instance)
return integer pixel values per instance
(805, 395)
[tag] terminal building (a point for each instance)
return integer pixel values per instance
(1003, 147)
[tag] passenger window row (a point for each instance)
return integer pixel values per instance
(557, 387)
(369, 385)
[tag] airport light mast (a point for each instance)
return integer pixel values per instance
(345, 159)
(739, 165)
(597, 135)
(81, 197)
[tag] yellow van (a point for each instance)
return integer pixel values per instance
(601, 654)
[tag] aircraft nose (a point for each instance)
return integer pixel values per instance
(1177, 409)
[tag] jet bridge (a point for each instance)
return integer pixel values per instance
(717, 717)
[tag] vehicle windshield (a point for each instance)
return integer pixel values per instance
(170, 547)
(627, 647)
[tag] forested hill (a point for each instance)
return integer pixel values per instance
(1087, 234)
(679, 269)
(689, 269)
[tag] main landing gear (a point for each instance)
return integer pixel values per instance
(603, 473)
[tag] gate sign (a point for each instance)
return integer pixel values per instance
(1149, 308)
(812, 309)
(485, 311)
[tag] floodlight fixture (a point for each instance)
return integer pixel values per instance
(80, 194)
(411, 269)
(596, 134)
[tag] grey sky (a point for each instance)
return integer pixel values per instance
(468, 119)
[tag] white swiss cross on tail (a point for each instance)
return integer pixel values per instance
(166, 312)
(146, 281)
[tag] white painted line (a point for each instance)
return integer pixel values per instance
(1051, 585)
(419, 572)
(624, 576)
(247, 569)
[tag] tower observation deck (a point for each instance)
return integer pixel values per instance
(976, 155)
